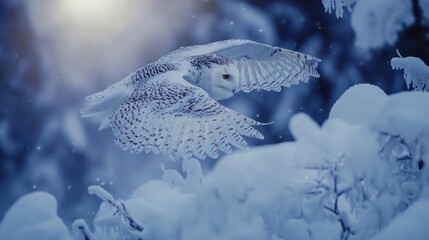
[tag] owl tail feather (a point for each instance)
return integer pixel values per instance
(99, 106)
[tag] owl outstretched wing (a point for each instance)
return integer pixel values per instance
(178, 119)
(261, 67)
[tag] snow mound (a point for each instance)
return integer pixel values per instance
(228, 205)
(359, 104)
(34, 216)
(377, 23)
(405, 114)
(412, 224)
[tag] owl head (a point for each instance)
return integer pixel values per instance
(217, 75)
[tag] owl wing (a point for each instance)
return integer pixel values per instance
(260, 66)
(178, 119)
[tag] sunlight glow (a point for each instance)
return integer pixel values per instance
(89, 10)
(86, 44)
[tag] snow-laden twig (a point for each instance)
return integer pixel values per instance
(338, 6)
(81, 230)
(119, 205)
(416, 72)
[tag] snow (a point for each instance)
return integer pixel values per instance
(303, 127)
(154, 205)
(194, 176)
(338, 6)
(227, 205)
(359, 104)
(416, 72)
(412, 224)
(378, 23)
(33, 215)
(405, 114)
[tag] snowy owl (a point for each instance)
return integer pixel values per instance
(171, 106)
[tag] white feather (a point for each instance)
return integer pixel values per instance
(101, 105)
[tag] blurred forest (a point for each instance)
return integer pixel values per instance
(54, 53)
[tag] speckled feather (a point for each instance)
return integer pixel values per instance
(178, 120)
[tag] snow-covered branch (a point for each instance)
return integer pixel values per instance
(416, 72)
(81, 230)
(338, 6)
(120, 208)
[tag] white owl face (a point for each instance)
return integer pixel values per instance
(219, 81)
(224, 80)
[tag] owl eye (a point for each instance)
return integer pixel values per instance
(225, 76)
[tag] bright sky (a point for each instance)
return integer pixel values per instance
(89, 44)
(89, 10)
